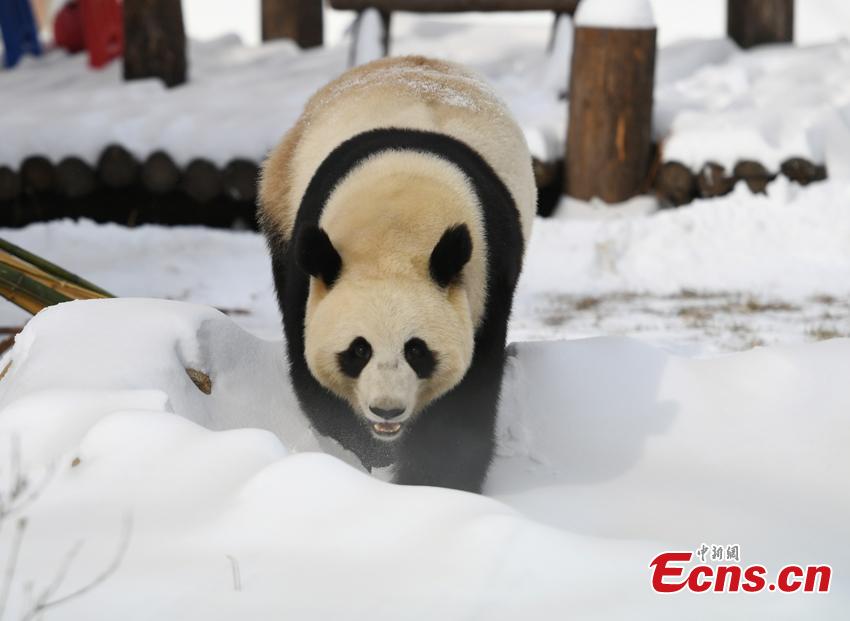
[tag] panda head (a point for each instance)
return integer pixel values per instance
(387, 345)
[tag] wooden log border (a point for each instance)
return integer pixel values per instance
(117, 168)
(676, 184)
(121, 188)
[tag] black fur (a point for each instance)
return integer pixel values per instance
(450, 443)
(317, 255)
(353, 360)
(451, 253)
(420, 358)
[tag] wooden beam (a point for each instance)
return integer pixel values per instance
(609, 140)
(457, 6)
(298, 20)
(754, 22)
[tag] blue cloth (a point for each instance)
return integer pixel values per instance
(20, 34)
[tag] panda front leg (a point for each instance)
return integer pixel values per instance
(452, 447)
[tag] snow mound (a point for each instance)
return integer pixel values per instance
(598, 439)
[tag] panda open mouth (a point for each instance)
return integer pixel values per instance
(386, 429)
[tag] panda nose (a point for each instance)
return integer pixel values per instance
(387, 414)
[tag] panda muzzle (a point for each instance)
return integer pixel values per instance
(387, 427)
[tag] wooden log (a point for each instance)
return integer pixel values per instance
(754, 174)
(549, 177)
(160, 174)
(754, 22)
(298, 20)
(75, 178)
(675, 184)
(457, 6)
(38, 175)
(802, 170)
(10, 184)
(202, 180)
(240, 180)
(712, 181)
(609, 140)
(154, 41)
(117, 168)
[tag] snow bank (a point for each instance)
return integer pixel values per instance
(598, 440)
(635, 14)
(767, 104)
(137, 360)
(791, 241)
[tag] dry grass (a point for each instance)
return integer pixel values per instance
(824, 333)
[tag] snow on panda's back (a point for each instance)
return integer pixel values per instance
(406, 92)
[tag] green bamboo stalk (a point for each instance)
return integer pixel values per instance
(50, 268)
(14, 281)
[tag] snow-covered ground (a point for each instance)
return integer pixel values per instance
(610, 452)
(713, 102)
(159, 500)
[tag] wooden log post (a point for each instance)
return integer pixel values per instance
(38, 175)
(10, 184)
(549, 177)
(609, 140)
(675, 184)
(160, 174)
(75, 178)
(298, 20)
(117, 168)
(754, 174)
(753, 22)
(802, 170)
(154, 41)
(240, 180)
(712, 181)
(202, 180)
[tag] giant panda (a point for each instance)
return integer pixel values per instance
(397, 211)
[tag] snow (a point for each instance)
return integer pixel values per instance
(766, 104)
(556, 76)
(632, 14)
(792, 240)
(370, 34)
(597, 438)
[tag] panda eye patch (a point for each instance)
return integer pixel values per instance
(355, 358)
(420, 358)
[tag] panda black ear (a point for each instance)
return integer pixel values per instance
(317, 256)
(451, 253)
